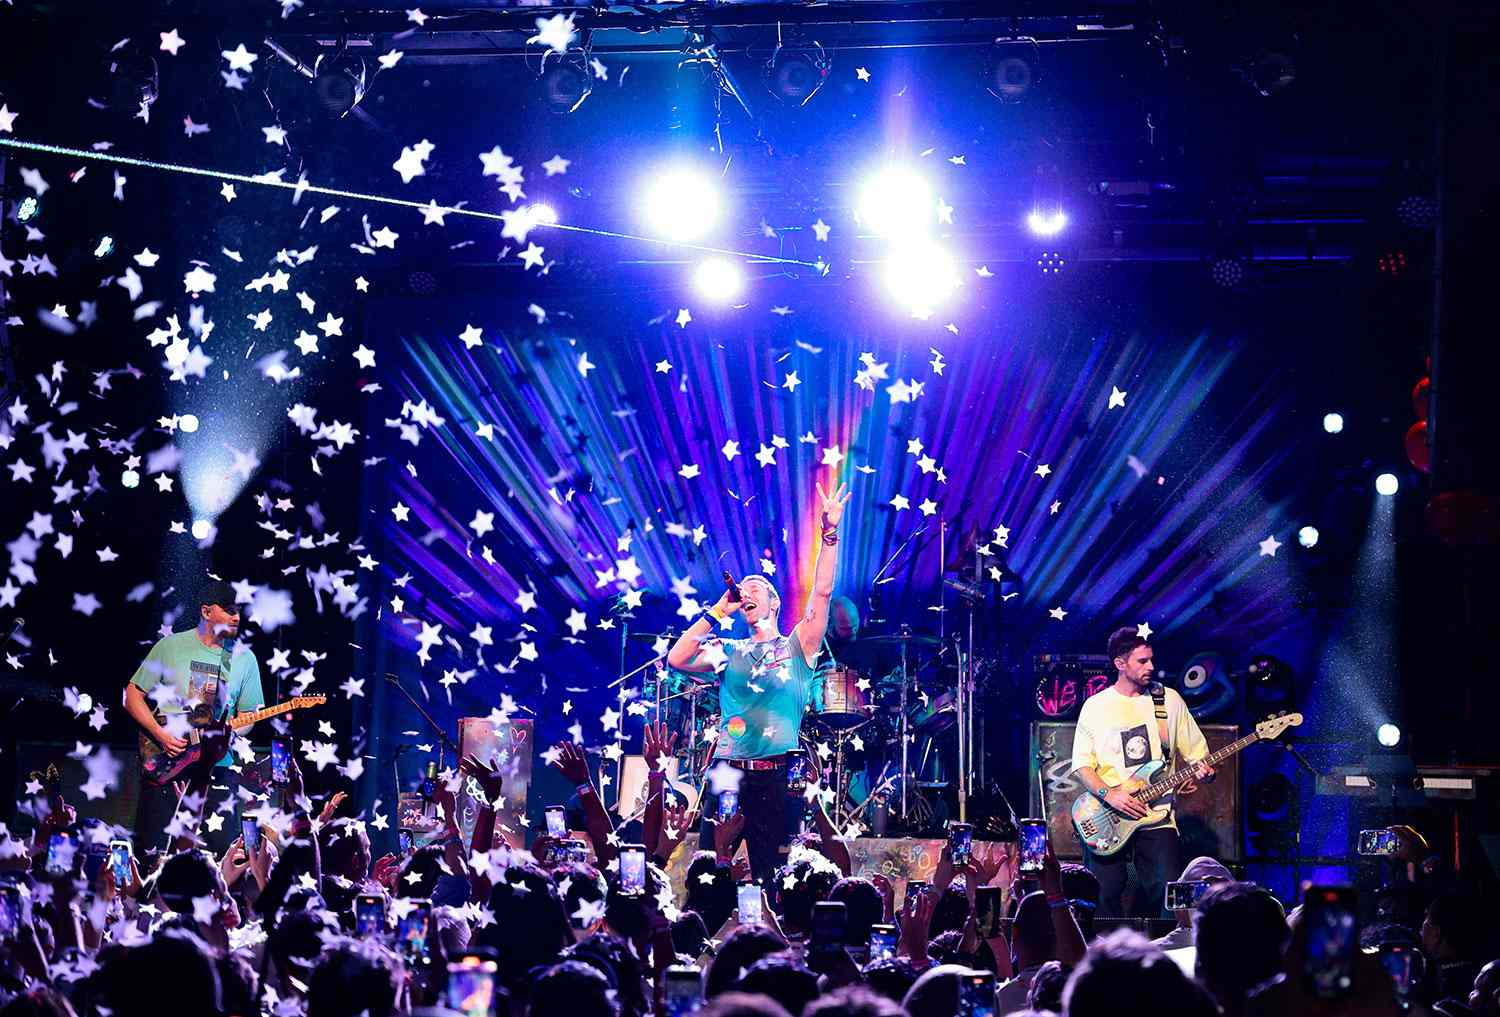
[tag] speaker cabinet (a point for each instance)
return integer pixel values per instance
(1208, 821)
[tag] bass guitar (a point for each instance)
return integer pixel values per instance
(209, 743)
(1107, 831)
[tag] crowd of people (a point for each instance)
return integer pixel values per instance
(304, 921)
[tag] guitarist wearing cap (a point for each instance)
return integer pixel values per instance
(1120, 729)
(188, 679)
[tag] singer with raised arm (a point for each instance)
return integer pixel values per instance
(767, 682)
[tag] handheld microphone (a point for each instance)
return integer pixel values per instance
(731, 586)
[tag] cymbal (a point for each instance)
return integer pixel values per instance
(902, 637)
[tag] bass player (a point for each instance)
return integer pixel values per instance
(192, 676)
(1131, 722)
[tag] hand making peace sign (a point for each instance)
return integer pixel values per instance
(833, 504)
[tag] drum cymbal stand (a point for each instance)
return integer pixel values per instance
(841, 803)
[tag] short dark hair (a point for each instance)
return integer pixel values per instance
(1240, 932)
(185, 876)
(1123, 641)
(574, 988)
(1124, 973)
(783, 978)
(853, 1001)
(216, 591)
(353, 977)
(1047, 987)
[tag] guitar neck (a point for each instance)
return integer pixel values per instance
(246, 719)
(1155, 791)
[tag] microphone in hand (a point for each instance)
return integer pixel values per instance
(731, 586)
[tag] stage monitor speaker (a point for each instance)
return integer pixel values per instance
(509, 747)
(1208, 821)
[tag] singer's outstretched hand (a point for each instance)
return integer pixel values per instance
(833, 504)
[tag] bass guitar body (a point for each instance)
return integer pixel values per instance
(1106, 831)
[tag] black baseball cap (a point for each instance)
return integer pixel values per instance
(216, 591)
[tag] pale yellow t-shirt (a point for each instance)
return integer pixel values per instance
(1117, 733)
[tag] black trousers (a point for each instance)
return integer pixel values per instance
(156, 806)
(764, 803)
(1157, 862)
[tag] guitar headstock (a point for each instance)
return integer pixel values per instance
(305, 701)
(1272, 727)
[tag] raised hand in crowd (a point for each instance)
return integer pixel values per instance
(657, 745)
(916, 926)
(573, 764)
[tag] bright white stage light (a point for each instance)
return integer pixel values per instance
(1388, 735)
(719, 280)
(202, 528)
(896, 202)
(1046, 222)
(921, 276)
(541, 212)
(682, 204)
(1386, 484)
(130, 478)
(1333, 423)
(187, 423)
(1308, 536)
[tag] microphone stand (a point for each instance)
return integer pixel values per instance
(443, 740)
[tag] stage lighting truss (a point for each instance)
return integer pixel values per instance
(1272, 684)
(566, 82)
(1013, 68)
(794, 73)
(131, 82)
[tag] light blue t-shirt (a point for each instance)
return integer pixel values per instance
(764, 689)
(195, 671)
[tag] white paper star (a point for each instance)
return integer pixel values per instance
(1143, 630)
(900, 503)
(1058, 613)
(1043, 469)
(240, 59)
(171, 42)
(1116, 397)
(1269, 545)
(556, 33)
(555, 165)
(820, 229)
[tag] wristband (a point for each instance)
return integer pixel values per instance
(1101, 793)
(715, 613)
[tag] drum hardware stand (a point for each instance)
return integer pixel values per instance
(840, 778)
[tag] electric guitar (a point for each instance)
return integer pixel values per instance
(210, 740)
(1107, 831)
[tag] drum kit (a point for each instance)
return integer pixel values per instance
(889, 708)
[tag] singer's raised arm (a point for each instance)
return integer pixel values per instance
(814, 621)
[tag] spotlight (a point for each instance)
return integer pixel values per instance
(1012, 69)
(28, 209)
(187, 423)
(541, 213)
(1228, 270)
(896, 202)
(1050, 262)
(566, 83)
(1391, 264)
(1271, 72)
(1333, 423)
(130, 478)
(1417, 211)
(1272, 684)
(1387, 484)
(338, 83)
(682, 204)
(201, 529)
(920, 276)
(794, 74)
(1308, 536)
(719, 280)
(1388, 735)
(1046, 222)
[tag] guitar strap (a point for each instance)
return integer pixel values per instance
(226, 667)
(1159, 702)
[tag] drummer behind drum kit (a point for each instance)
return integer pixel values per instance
(861, 730)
